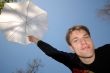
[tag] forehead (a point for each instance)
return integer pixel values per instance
(76, 33)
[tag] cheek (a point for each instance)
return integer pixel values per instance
(91, 44)
(76, 47)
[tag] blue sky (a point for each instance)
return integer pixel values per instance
(62, 14)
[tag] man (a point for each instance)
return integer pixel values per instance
(85, 59)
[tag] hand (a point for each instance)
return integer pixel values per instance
(33, 39)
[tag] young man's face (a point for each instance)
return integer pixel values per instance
(81, 43)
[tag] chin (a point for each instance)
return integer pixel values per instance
(89, 55)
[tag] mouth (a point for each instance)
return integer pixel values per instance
(86, 48)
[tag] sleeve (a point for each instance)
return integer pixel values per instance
(60, 56)
(105, 49)
(46, 48)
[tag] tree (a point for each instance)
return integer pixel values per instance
(1, 6)
(2, 2)
(32, 67)
(105, 11)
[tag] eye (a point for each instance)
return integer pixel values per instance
(86, 36)
(75, 41)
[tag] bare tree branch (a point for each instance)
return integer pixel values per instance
(32, 67)
(105, 11)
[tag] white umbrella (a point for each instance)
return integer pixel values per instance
(18, 20)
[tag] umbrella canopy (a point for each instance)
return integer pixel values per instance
(18, 20)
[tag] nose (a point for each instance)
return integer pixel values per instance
(83, 43)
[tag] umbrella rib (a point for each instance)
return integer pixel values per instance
(26, 18)
(11, 35)
(31, 25)
(16, 12)
(7, 22)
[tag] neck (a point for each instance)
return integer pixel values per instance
(87, 60)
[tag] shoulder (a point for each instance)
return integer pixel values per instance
(103, 48)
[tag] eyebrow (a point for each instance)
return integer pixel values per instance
(77, 38)
(73, 39)
(86, 34)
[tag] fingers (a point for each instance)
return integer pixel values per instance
(32, 38)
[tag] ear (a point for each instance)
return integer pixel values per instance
(71, 48)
